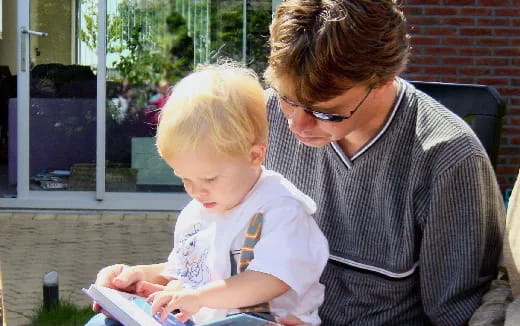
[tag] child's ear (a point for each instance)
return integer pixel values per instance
(257, 153)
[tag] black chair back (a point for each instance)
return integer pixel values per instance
(479, 105)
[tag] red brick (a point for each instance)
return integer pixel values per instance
(425, 40)
(507, 52)
(492, 61)
(507, 31)
(506, 91)
(515, 22)
(440, 50)
(508, 129)
(459, 41)
(515, 82)
(441, 11)
(476, 31)
(408, 11)
(441, 70)
(457, 60)
(515, 101)
(459, 21)
(457, 79)
(475, 71)
(475, 51)
(494, 3)
(509, 150)
(493, 82)
(440, 30)
(422, 77)
(507, 169)
(511, 12)
(516, 61)
(516, 3)
(475, 11)
(515, 42)
(423, 20)
(515, 141)
(425, 60)
(414, 69)
(488, 21)
(493, 41)
(460, 2)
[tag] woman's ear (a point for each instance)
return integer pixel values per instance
(257, 154)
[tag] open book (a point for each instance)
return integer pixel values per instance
(132, 310)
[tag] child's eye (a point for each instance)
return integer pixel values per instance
(211, 179)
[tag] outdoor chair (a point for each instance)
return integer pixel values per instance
(479, 105)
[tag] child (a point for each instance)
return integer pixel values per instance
(213, 133)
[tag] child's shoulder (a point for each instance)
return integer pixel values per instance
(275, 191)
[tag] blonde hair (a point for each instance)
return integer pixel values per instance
(223, 104)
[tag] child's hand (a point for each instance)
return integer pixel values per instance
(187, 301)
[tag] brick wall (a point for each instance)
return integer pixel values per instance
(472, 41)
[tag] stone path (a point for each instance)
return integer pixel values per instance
(75, 245)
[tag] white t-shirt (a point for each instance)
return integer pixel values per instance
(291, 247)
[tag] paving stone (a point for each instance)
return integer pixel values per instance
(5, 216)
(45, 217)
(89, 217)
(24, 216)
(67, 217)
(112, 217)
(163, 217)
(134, 217)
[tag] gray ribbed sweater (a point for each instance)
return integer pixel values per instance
(414, 219)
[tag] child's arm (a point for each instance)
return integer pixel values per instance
(242, 290)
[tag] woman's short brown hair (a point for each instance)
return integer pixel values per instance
(325, 47)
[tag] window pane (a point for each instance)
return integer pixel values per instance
(151, 45)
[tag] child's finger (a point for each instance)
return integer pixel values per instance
(151, 297)
(171, 306)
(159, 301)
(182, 316)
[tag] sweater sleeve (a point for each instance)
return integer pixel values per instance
(462, 240)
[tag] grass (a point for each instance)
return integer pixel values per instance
(63, 313)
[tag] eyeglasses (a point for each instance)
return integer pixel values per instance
(328, 117)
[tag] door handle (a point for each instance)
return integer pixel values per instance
(26, 31)
(32, 32)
